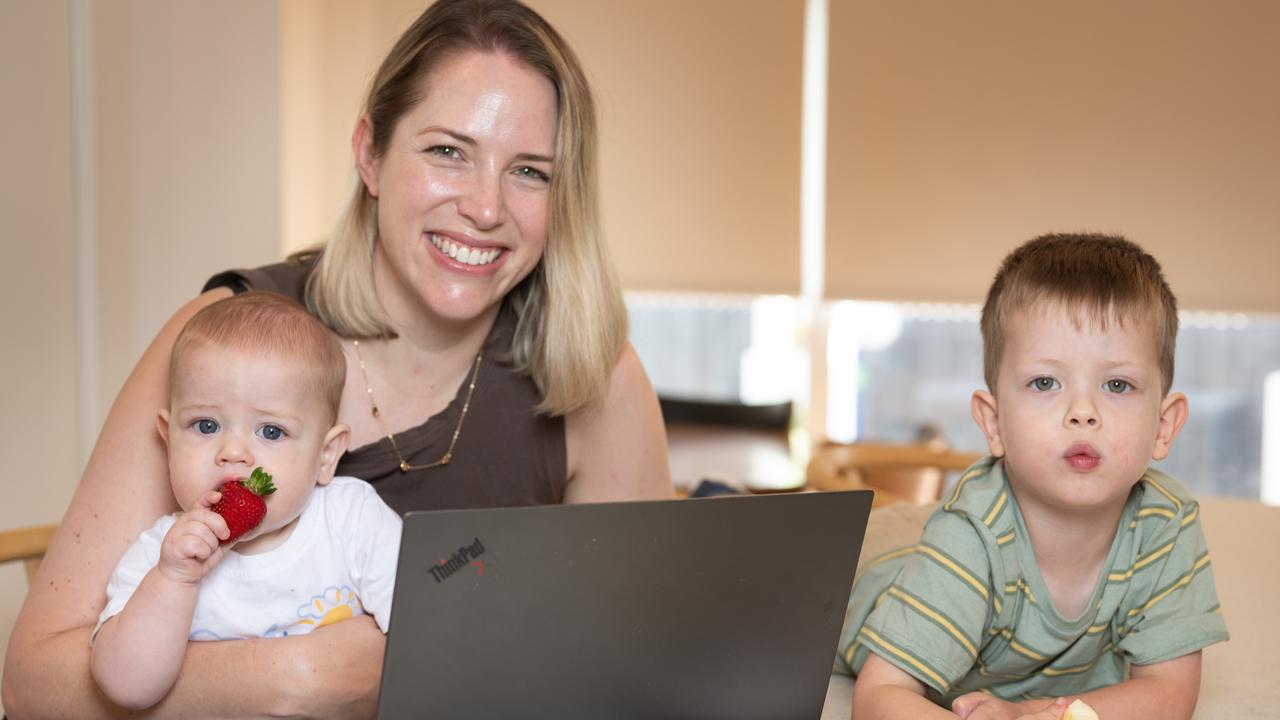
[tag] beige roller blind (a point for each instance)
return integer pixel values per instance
(959, 129)
(700, 112)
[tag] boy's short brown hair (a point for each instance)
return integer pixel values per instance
(269, 324)
(1103, 276)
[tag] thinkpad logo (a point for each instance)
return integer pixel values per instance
(467, 555)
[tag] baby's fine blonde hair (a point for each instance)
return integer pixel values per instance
(270, 325)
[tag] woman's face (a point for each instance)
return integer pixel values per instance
(463, 189)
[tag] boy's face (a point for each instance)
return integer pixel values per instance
(1078, 413)
(231, 411)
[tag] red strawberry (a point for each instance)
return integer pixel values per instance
(242, 504)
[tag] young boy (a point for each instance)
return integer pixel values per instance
(255, 382)
(1061, 565)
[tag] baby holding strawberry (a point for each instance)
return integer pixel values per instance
(269, 543)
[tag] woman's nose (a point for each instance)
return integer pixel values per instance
(482, 202)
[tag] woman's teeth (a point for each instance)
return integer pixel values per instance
(463, 254)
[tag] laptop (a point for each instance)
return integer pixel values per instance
(724, 607)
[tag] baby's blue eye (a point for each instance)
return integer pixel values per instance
(206, 426)
(272, 432)
(1118, 386)
(1044, 384)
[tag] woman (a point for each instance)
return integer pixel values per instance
(485, 339)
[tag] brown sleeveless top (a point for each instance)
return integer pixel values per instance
(507, 453)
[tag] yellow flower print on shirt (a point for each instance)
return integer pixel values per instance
(330, 606)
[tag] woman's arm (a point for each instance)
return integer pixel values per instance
(617, 449)
(124, 488)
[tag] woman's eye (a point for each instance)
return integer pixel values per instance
(1044, 384)
(206, 426)
(1118, 386)
(445, 151)
(271, 432)
(533, 173)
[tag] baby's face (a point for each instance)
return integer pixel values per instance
(1078, 409)
(231, 411)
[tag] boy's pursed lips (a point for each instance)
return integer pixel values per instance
(1082, 456)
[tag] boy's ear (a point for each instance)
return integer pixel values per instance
(1173, 415)
(162, 425)
(985, 414)
(335, 443)
(362, 148)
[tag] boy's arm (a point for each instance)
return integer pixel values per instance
(884, 691)
(1165, 690)
(138, 653)
(1161, 691)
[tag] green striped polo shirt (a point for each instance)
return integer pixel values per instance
(966, 608)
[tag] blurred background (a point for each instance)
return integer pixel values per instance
(805, 200)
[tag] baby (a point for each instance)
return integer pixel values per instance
(255, 383)
(1062, 565)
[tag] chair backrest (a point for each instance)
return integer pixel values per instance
(26, 544)
(745, 446)
(915, 473)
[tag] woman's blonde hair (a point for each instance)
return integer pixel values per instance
(572, 323)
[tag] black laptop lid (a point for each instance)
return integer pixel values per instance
(715, 608)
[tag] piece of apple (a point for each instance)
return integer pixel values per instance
(1079, 710)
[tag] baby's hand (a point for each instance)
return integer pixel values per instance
(981, 706)
(191, 548)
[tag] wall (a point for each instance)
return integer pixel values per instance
(135, 175)
(958, 130)
(39, 437)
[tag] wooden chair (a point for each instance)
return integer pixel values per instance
(26, 544)
(912, 473)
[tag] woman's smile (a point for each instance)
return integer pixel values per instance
(455, 253)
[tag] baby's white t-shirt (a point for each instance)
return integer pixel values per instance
(339, 561)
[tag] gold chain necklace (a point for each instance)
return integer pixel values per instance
(373, 406)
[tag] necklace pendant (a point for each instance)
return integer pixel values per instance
(404, 466)
(375, 411)
(447, 457)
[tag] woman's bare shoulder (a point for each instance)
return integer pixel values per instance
(617, 448)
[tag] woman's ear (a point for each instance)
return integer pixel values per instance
(335, 443)
(1173, 415)
(366, 158)
(986, 415)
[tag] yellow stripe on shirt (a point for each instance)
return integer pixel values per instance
(956, 568)
(995, 510)
(1182, 581)
(906, 657)
(1177, 504)
(937, 617)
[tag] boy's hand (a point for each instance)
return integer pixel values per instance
(981, 706)
(192, 548)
